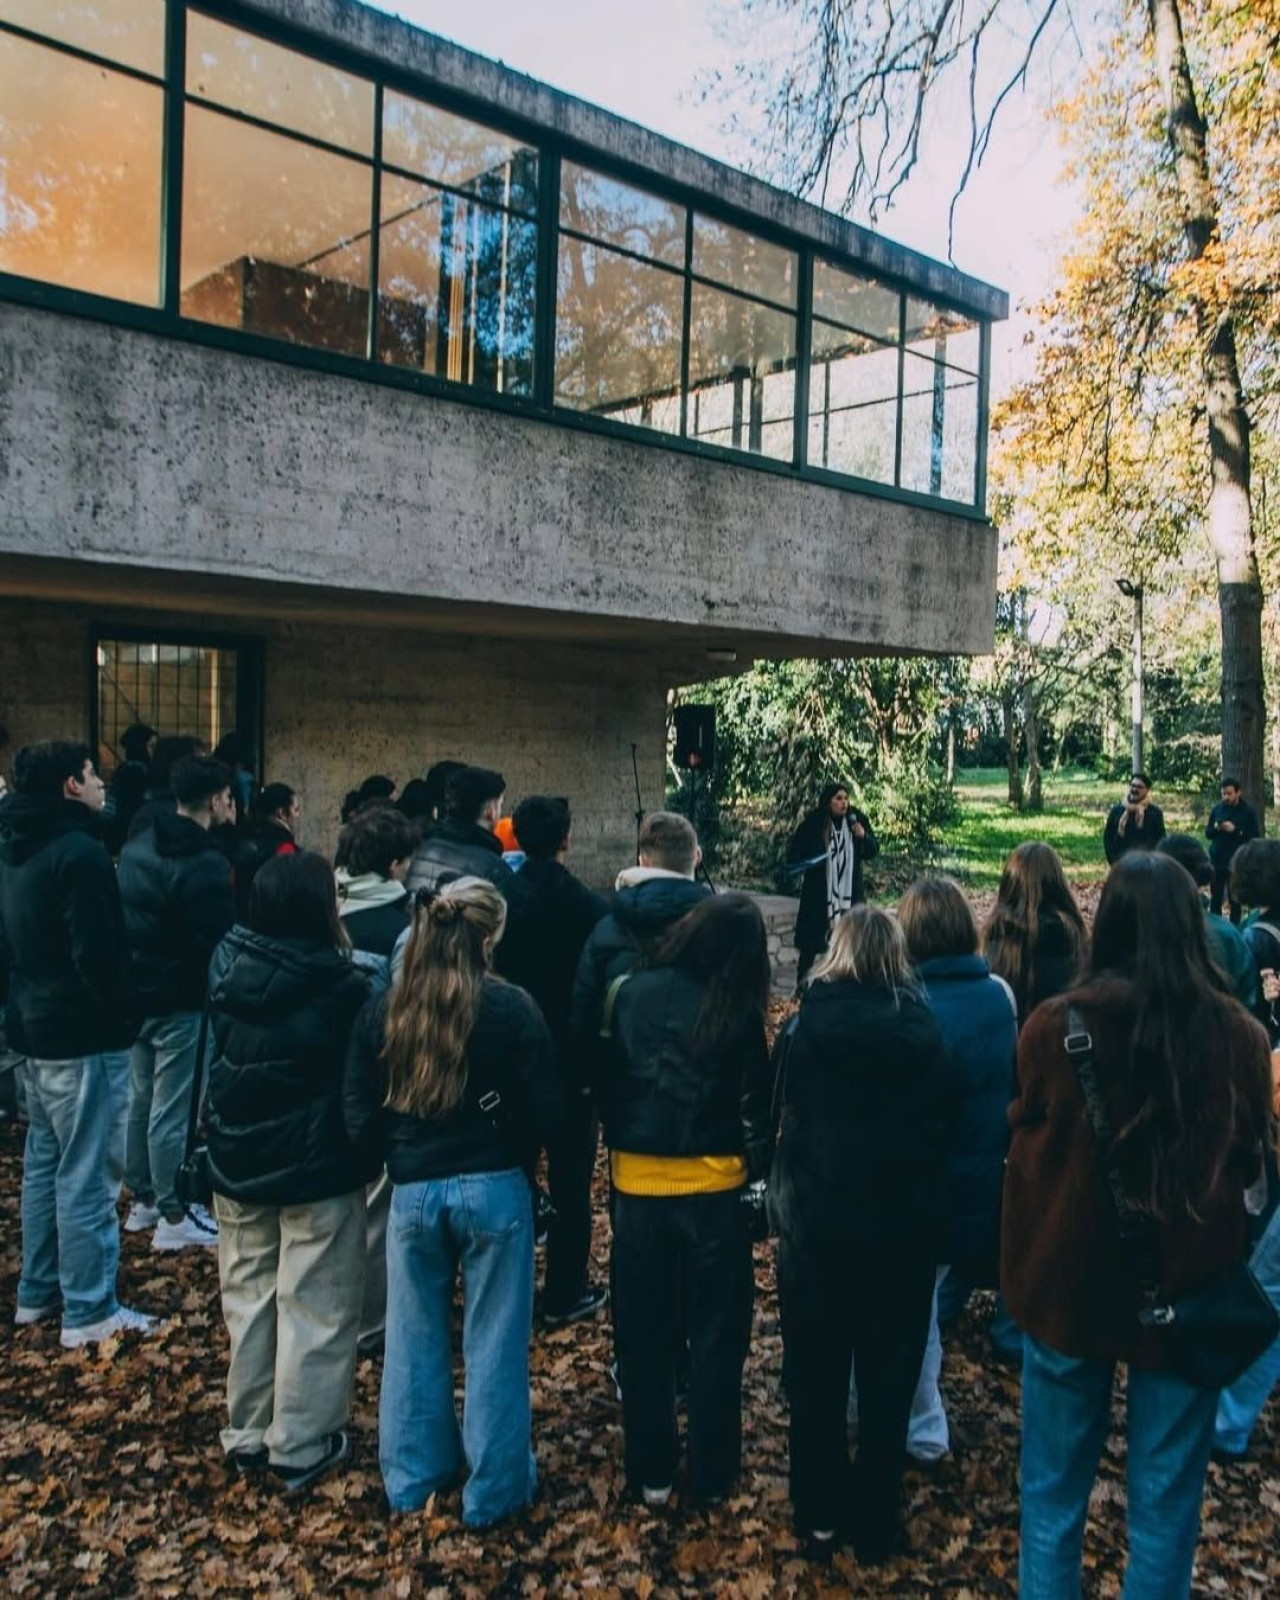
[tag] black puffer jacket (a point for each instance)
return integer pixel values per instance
(62, 933)
(646, 904)
(508, 1052)
(658, 1098)
(455, 849)
(869, 1104)
(281, 1014)
(178, 903)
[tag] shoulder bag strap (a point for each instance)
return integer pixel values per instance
(1135, 1228)
(197, 1080)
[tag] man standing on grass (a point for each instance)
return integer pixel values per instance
(1232, 822)
(1134, 823)
(72, 1013)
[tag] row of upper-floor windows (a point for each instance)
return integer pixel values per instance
(320, 207)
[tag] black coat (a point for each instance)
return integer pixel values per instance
(377, 929)
(811, 839)
(281, 1015)
(1055, 965)
(1222, 846)
(453, 849)
(253, 849)
(641, 914)
(1116, 844)
(658, 1098)
(550, 916)
(508, 1051)
(71, 990)
(178, 903)
(869, 1104)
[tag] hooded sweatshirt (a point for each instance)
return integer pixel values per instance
(62, 932)
(175, 883)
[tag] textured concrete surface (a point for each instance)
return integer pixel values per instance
(121, 447)
(342, 703)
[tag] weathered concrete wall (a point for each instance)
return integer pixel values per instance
(342, 703)
(121, 447)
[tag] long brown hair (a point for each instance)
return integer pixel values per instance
(1190, 1115)
(1032, 887)
(433, 1007)
(721, 943)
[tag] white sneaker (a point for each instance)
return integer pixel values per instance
(141, 1217)
(123, 1320)
(24, 1316)
(656, 1497)
(197, 1227)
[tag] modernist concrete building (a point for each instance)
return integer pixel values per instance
(384, 404)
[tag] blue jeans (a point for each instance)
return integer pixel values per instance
(71, 1174)
(482, 1222)
(1066, 1414)
(161, 1067)
(1241, 1404)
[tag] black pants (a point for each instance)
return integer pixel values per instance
(846, 1305)
(571, 1161)
(1221, 890)
(681, 1270)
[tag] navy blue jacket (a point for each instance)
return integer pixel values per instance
(979, 1026)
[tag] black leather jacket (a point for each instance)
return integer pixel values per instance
(659, 1097)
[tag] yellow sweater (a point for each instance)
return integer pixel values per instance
(676, 1175)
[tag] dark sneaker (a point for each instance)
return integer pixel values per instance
(293, 1480)
(246, 1462)
(585, 1306)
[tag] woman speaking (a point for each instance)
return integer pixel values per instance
(829, 847)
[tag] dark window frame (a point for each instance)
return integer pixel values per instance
(552, 147)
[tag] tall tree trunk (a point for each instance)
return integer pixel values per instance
(1012, 747)
(1031, 729)
(951, 747)
(1230, 512)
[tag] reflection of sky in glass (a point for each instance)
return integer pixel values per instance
(619, 214)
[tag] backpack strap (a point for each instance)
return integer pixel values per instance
(610, 1002)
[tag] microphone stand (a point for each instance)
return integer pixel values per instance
(635, 773)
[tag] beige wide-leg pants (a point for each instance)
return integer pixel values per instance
(292, 1282)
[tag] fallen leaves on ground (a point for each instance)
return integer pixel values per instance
(112, 1479)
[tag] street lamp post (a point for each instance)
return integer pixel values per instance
(1133, 591)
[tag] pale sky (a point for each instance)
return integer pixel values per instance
(644, 59)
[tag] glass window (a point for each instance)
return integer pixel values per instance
(735, 347)
(128, 31)
(941, 334)
(740, 260)
(456, 287)
(174, 688)
(618, 214)
(856, 302)
(246, 73)
(618, 324)
(461, 154)
(80, 173)
(275, 235)
(853, 404)
(939, 430)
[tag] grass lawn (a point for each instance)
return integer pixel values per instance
(1075, 810)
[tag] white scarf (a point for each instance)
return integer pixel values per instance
(841, 855)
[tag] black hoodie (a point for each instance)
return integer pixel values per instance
(178, 902)
(71, 991)
(280, 1015)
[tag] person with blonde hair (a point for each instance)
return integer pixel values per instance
(867, 1100)
(451, 1080)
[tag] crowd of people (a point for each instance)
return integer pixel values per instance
(360, 1064)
